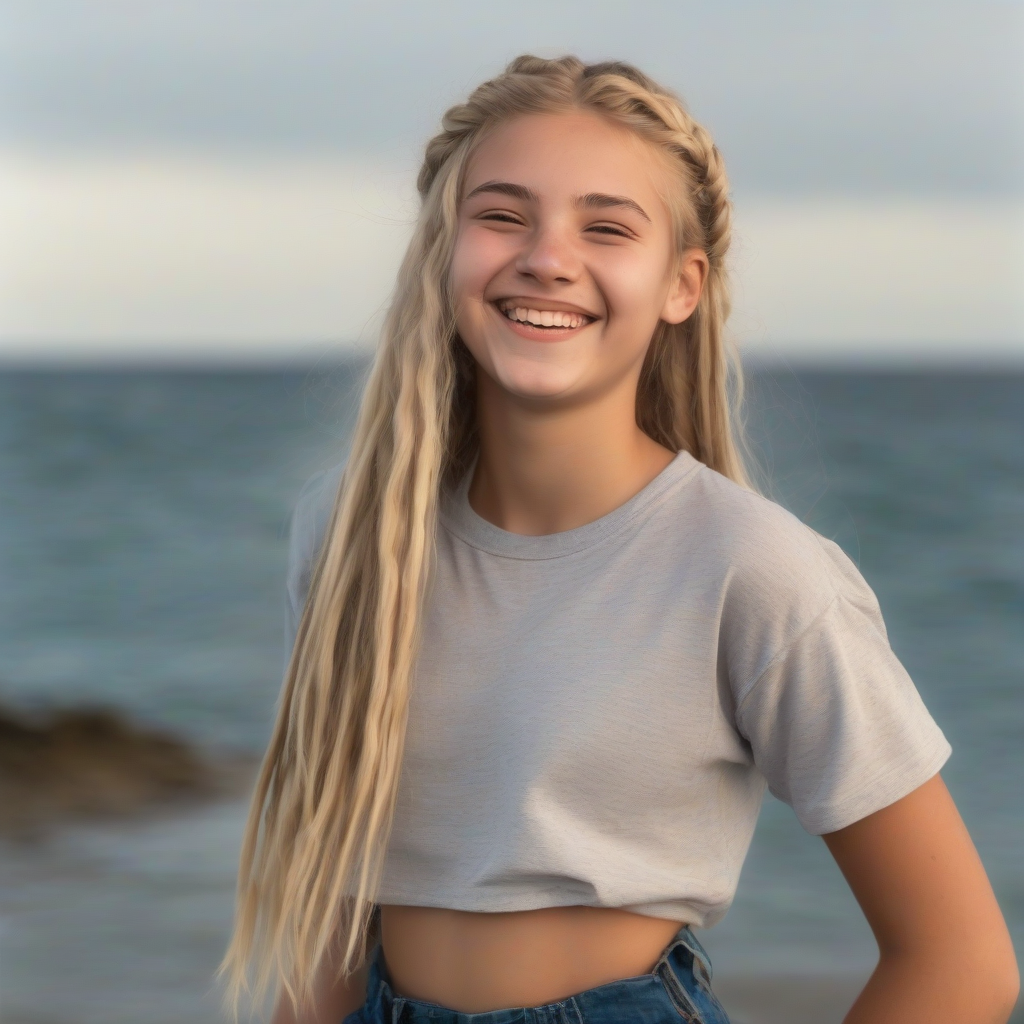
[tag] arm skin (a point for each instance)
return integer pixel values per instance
(333, 1000)
(944, 951)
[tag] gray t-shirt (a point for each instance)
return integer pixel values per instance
(596, 712)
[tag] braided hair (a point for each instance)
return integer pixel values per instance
(691, 381)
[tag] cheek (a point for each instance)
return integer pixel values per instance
(470, 274)
(635, 290)
(477, 258)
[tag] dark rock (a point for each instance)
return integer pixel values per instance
(89, 763)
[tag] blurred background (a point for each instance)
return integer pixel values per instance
(202, 207)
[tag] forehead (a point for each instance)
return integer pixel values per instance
(562, 155)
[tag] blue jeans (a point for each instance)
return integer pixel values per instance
(677, 989)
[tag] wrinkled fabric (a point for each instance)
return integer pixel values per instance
(596, 713)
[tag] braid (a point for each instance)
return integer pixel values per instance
(691, 380)
(714, 211)
(458, 126)
(691, 383)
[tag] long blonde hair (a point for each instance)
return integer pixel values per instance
(314, 846)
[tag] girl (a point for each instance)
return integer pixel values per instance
(554, 646)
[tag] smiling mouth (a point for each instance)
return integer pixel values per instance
(543, 319)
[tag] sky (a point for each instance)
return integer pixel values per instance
(204, 180)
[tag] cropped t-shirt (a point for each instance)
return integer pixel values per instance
(596, 713)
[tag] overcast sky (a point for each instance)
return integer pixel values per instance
(200, 176)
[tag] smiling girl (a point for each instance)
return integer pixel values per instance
(551, 647)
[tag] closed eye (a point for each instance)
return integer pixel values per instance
(610, 229)
(505, 218)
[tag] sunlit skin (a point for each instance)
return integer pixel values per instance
(559, 442)
(588, 236)
(559, 447)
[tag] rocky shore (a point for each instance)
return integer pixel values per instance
(89, 763)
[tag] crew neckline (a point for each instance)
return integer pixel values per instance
(459, 518)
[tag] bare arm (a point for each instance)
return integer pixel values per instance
(333, 1000)
(945, 953)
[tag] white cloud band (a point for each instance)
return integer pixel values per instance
(178, 257)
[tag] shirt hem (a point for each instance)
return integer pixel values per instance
(683, 911)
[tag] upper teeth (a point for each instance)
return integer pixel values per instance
(544, 317)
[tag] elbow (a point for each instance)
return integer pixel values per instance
(979, 982)
(1005, 980)
(997, 987)
(1010, 991)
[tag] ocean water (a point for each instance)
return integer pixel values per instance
(143, 520)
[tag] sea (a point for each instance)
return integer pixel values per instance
(143, 532)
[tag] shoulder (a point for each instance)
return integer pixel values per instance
(310, 518)
(834, 722)
(316, 499)
(762, 546)
(777, 574)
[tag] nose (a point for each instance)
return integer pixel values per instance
(549, 256)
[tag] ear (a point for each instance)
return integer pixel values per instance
(687, 286)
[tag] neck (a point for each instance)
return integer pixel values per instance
(545, 469)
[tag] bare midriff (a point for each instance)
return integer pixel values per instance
(474, 963)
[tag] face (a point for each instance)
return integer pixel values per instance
(564, 259)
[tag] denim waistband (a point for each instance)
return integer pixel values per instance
(678, 988)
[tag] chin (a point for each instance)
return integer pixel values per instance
(536, 381)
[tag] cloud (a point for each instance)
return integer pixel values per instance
(878, 280)
(194, 258)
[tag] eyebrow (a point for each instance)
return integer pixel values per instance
(591, 201)
(506, 188)
(597, 200)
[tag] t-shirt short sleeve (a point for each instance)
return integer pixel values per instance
(835, 724)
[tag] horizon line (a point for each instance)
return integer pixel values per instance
(898, 360)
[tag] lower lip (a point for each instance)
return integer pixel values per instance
(541, 333)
